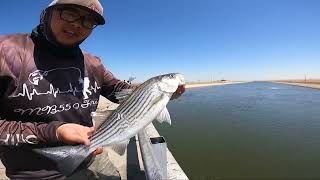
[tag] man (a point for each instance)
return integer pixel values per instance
(49, 87)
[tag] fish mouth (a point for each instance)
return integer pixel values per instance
(181, 89)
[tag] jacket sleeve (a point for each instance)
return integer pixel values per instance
(111, 85)
(14, 133)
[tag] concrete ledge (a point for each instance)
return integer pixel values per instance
(173, 168)
(308, 85)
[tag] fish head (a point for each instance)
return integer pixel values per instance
(169, 83)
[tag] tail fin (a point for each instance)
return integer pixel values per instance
(67, 158)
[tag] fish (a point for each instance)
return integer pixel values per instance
(145, 103)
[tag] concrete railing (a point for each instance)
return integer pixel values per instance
(157, 157)
(154, 156)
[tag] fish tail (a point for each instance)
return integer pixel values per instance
(67, 158)
(69, 164)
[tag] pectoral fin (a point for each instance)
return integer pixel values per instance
(164, 116)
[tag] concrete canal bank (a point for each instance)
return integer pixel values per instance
(308, 85)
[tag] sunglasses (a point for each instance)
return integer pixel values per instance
(73, 15)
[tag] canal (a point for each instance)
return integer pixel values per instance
(250, 130)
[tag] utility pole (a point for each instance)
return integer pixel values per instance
(305, 78)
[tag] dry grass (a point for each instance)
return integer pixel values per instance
(208, 82)
(308, 81)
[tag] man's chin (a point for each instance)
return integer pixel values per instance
(70, 44)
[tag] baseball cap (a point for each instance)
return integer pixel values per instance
(92, 6)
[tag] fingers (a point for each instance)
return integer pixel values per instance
(99, 150)
(76, 139)
(82, 136)
(75, 134)
(93, 129)
(85, 141)
(88, 132)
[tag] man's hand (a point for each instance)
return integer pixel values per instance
(180, 90)
(99, 150)
(71, 133)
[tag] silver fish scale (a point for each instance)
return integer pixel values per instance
(126, 115)
(116, 118)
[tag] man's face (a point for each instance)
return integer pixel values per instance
(71, 25)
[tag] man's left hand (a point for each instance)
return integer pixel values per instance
(98, 151)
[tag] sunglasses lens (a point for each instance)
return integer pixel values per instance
(89, 22)
(70, 16)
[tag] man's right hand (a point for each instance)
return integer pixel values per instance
(71, 133)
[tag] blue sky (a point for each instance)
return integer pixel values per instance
(202, 39)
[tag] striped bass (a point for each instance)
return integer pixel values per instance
(146, 103)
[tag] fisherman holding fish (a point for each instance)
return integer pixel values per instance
(49, 87)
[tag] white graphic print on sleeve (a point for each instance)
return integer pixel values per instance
(17, 139)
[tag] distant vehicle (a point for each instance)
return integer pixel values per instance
(131, 79)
